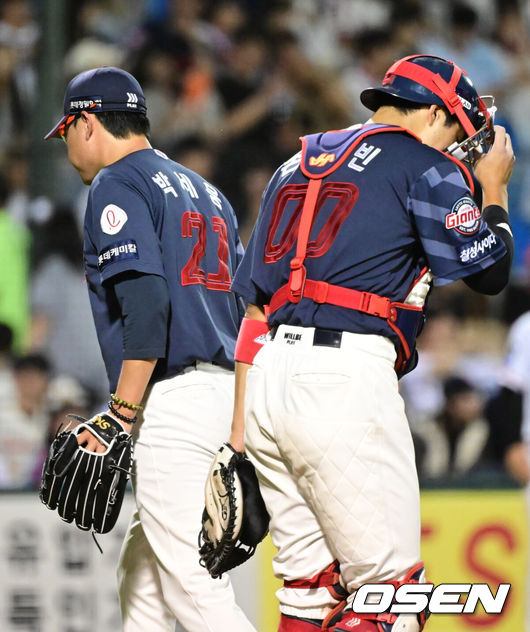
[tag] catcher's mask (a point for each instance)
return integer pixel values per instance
(433, 80)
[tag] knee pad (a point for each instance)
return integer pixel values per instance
(344, 619)
(295, 624)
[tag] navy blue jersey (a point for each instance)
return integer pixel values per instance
(148, 214)
(393, 207)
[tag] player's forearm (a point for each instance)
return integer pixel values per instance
(237, 434)
(496, 194)
(133, 381)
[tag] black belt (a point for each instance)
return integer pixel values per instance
(322, 337)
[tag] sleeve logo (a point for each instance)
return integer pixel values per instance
(118, 251)
(112, 219)
(464, 217)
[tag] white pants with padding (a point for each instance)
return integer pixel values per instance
(327, 432)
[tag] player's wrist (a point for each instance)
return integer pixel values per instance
(495, 194)
(125, 416)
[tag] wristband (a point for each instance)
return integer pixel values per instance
(119, 416)
(121, 402)
(250, 340)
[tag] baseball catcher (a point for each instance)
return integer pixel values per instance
(235, 519)
(85, 486)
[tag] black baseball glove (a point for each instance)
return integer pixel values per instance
(88, 486)
(235, 519)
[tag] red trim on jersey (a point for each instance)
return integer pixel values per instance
(246, 345)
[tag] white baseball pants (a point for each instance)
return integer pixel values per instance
(327, 433)
(185, 421)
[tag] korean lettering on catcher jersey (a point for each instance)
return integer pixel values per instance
(391, 208)
(197, 253)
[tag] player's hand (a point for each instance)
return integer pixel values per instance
(92, 443)
(494, 169)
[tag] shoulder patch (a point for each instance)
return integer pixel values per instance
(464, 217)
(113, 219)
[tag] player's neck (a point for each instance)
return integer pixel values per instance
(118, 148)
(388, 115)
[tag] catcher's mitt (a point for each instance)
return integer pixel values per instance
(235, 519)
(88, 486)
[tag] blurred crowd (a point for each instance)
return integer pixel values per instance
(230, 87)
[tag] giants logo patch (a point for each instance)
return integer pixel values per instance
(112, 219)
(464, 217)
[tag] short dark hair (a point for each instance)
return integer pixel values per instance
(124, 124)
(32, 362)
(407, 107)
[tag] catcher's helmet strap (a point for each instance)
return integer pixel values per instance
(436, 84)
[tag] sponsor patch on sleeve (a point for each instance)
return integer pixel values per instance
(113, 219)
(477, 249)
(118, 251)
(464, 217)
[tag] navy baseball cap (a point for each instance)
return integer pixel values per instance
(105, 89)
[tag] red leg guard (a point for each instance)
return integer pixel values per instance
(343, 619)
(294, 624)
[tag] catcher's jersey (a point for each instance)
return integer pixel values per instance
(393, 207)
(148, 214)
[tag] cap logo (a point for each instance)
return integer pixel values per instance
(132, 100)
(84, 104)
(112, 219)
(465, 102)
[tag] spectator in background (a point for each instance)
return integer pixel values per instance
(24, 422)
(514, 41)
(19, 35)
(194, 153)
(66, 397)
(7, 383)
(61, 324)
(249, 96)
(308, 84)
(216, 33)
(454, 441)
(14, 267)
(408, 23)
(374, 51)
(483, 59)
(247, 91)
(509, 410)
(158, 72)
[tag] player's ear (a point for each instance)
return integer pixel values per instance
(88, 122)
(433, 113)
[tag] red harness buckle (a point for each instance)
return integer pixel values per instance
(375, 305)
(297, 280)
